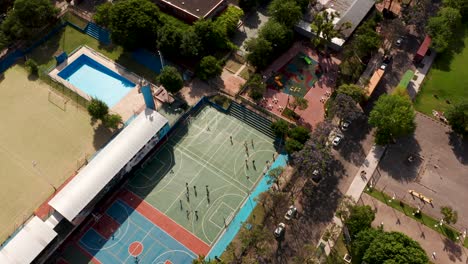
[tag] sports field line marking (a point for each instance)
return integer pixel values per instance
(193, 178)
(151, 176)
(214, 202)
(169, 252)
(214, 169)
(146, 235)
(216, 211)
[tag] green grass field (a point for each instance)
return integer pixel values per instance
(201, 154)
(68, 39)
(447, 79)
(40, 145)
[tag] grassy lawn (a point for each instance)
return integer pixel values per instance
(426, 220)
(447, 80)
(68, 39)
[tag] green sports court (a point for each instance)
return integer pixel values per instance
(200, 159)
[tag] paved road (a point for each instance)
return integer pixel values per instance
(431, 241)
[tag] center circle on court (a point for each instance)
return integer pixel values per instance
(135, 248)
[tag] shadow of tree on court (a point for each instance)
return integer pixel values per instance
(454, 251)
(102, 134)
(459, 147)
(396, 160)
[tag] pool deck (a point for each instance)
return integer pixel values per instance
(130, 104)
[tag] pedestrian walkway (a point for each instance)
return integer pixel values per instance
(446, 251)
(357, 186)
(415, 84)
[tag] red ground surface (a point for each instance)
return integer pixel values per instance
(106, 226)
(135, 248)
(92, 259)
(178, 232)
(167, 262)
(315, 111)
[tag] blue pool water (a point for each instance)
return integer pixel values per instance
(96, 80)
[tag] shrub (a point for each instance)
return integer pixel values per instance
(208, 68)
(32, 67)
(171, 79)
(299, 133)
(97, 109)
(293, 145)
(112, 121)
(280, 128)
(256, 87)
(290, 114)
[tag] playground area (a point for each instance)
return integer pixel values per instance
(300, 72)
(297, 77)
(43, 142)
(182, 199)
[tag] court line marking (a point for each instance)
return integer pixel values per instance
(216, 211)
(171, 251)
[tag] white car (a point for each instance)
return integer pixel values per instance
(345, 125)
(291, 213)
(399, 41)
(279, 230)
(336, 141)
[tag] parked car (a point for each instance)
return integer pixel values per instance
(386, 60)
(291, 213)
(345, 125)
(279, 231)
(336, 141)
(316, 176)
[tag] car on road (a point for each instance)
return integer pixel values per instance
(345, 125)
(337, 140)
(291, 213)
(386, 60)
(279, 231)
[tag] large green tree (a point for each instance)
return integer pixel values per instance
(286, 12)
(393, 117)
(395, 247)
(27, 17)
(133, 23)
(344, 107)
(442, 27)
(170, 38)
(208, 68)
(450, 215)
(279, 35)
(280, 128)
(361, 242)
(212, 36)
(259, 52)
(354, 91)
(256, 86)
(229, 19)
(97, 109)
(457, 116)
(360, 219)
(171, 79)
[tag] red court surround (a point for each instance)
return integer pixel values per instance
(175, 230)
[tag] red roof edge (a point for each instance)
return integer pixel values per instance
(424, 46)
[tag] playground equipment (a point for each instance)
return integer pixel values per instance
(307, 60)
(278, 81)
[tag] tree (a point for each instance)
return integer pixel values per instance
(350, 70)
(300, 102)
(190, 45)
(457, 116)
(32, 67)
(360, 219)
(362, 241)
(344, 107)
(169, 39)
(212, 36)
(208, 68)
(366, 40)
(256, 86)
(461, 5)
(278, 34)
(275, 174)
(202, 260)
(354, 91)
(321, 133)
(442, 27)
(286, 12)
(101, 16)
(112, 121)
(395, 247)
(27, 17)
(97, 109)
(229, 19)
(299, 133)
(280, 128)
(259, 52)
(293, 145)
(450, 215)
(256, 237)
(133, 23)
(313, 156)
(171, 79)
(393, 116)
(324, 28)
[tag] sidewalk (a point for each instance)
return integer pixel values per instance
(431, 241)
(415, 84)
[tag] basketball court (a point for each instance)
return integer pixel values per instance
(182, 199)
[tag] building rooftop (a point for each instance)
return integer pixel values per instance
(198, 8)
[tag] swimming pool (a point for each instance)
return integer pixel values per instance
(96, 80)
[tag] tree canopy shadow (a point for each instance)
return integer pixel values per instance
(459, 147)
(102, 135)
(457, 45)
(453, 250)
(402, 160)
